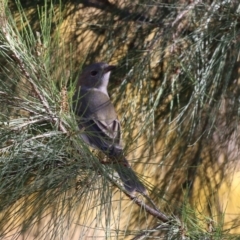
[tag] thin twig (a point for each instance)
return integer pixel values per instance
(21, 64)
(41, 97)
(183, 13)
(146, 233)
(153, 211)
(30, 122)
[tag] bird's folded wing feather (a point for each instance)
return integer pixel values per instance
(99, 115)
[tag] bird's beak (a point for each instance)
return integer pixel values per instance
(109, 68)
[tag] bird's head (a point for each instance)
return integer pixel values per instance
(96, 76)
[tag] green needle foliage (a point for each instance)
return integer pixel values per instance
(45, 170)
(178, 89)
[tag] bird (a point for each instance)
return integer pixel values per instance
(98, 118)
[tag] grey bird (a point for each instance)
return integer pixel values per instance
(99, 120)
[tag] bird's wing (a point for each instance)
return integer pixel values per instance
(99, 119)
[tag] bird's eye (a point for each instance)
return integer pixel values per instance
(94, 73)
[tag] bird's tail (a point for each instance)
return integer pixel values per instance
(130, 180)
